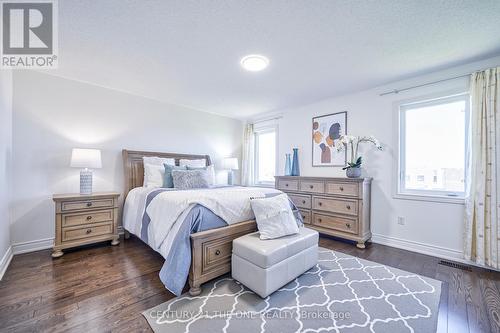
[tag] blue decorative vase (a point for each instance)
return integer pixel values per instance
(288, 165)
(295, 163)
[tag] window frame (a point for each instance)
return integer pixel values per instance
(400, 176)
(258, 130)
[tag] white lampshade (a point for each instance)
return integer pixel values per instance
(86, 158)
(230, 163)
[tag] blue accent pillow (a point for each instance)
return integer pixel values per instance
(168, 181)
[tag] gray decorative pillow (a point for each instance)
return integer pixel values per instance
(168, 181)
(210, 169)
(274, 217)
(188, 179)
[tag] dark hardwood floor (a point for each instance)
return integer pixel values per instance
(104, 288)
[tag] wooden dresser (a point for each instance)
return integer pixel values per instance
(334, 206)
(85, 219)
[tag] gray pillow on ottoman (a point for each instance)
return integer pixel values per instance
(189, 179)
(274, 217)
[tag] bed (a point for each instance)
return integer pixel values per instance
(210, 249)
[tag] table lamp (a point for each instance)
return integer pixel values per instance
(86, 159)
(230, 164)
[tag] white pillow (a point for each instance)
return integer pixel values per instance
(153, 174)
(193, 163)
(158, 160)
(274, 217)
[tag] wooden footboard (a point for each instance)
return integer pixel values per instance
(211, 253)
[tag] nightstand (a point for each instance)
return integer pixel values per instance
(85, 219)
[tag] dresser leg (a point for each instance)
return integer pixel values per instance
(57, 253)
(115, 241)
(360, 245)
(126, 234)
(195, 291)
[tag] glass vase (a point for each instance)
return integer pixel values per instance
(288, 165)
(295, 162)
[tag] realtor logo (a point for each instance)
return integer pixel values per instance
(29, 34)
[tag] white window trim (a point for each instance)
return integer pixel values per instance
(423, 195)
(260, 128)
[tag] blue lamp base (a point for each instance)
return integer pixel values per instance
(85, 182)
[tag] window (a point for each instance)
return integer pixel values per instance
(433, 138)
(265, 155)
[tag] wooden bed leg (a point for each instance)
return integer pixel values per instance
(126, 234)
(195, 290)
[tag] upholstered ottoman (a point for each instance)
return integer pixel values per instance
(264, 266)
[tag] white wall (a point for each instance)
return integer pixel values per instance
(5, 165)
(53, 115)
(435, 228)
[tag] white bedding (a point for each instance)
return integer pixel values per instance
(135, 203)
(171, 207)
(232, 204)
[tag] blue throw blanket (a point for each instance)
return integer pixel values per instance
(175, 270)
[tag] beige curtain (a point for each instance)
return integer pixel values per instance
(482, 206)
(248, 156)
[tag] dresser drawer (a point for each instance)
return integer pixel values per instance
(339, 223)
(335, 205)
(312, 186)
(70, 234)
(216, 254)
(306, 216)
(69, 220)
(86, 204)
(301, 201)
(288, 185)
(342, 189)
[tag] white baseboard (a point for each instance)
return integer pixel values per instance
(40, 244)
(32, 246)
(5, 261)
(431, 250)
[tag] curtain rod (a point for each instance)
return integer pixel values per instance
(397, 91)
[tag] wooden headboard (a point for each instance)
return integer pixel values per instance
(133, 166)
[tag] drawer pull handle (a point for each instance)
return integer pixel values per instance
(320, 203)
(311, 186)
(89, 204)
(304, 202)
(217, 252)
(89, 231)
(319, 220)
(348, 207)
(89, 218)
(303, 216)
(286, 185)
(348, 225)
(341, 188)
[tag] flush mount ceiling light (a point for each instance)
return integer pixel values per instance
(254, 62)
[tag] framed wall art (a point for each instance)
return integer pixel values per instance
(326, 130)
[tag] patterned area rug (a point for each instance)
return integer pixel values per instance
(340, 294)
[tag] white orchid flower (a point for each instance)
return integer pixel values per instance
(352, 142)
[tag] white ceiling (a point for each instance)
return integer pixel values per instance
(187, 52)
